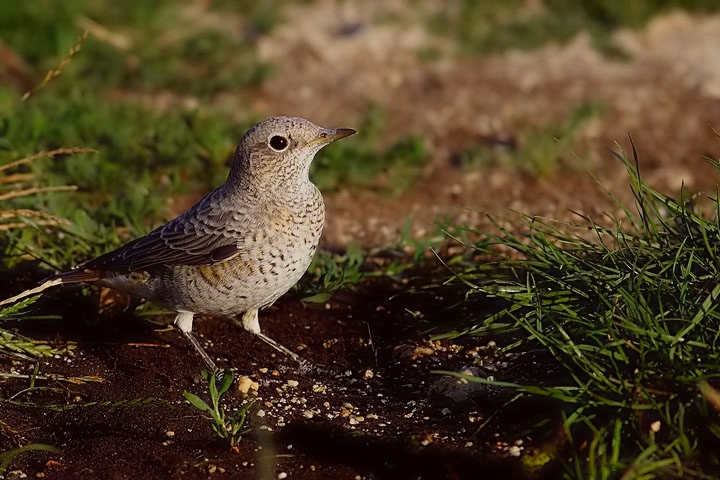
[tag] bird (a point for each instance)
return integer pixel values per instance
(239, 248)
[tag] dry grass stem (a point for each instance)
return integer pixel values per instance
(34, 190)
(58, 70)
(48, 154)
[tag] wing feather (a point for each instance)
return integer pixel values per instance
(205, 234)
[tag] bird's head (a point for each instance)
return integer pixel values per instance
(278, 151)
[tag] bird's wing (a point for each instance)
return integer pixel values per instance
(205, 234)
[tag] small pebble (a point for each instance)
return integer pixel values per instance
(245, 384)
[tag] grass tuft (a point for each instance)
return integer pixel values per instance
(23, 348)
(228, 426)
(329, 272)
(630, 314)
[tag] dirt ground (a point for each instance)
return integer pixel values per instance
(377, 411)
(373, 411)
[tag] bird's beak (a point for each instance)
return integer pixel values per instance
(329, 135)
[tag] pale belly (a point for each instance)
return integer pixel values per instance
(230, 288)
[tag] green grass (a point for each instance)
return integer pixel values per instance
(142, 159)
(330, 272)
(228, 426)
(149, 46)
(630, 314)
(358, 162)
(540, 151)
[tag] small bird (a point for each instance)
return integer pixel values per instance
(240, 247)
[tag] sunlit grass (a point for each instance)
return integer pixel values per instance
(630, 314)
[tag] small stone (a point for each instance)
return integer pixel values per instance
(245, 384)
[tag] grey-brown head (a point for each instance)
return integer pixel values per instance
(277, 152)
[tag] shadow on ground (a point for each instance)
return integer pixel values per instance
(376, 411)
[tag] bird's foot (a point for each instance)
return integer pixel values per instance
(306, 367)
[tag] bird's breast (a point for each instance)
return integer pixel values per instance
(271, 259)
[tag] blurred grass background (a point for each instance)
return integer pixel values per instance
(139, 92)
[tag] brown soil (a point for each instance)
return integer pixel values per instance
(373, 410)
(377, 412)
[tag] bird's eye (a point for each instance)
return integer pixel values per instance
(278, 143)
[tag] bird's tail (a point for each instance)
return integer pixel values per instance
(71, 276)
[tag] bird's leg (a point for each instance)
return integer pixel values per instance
(184, 322)
(251, 324)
